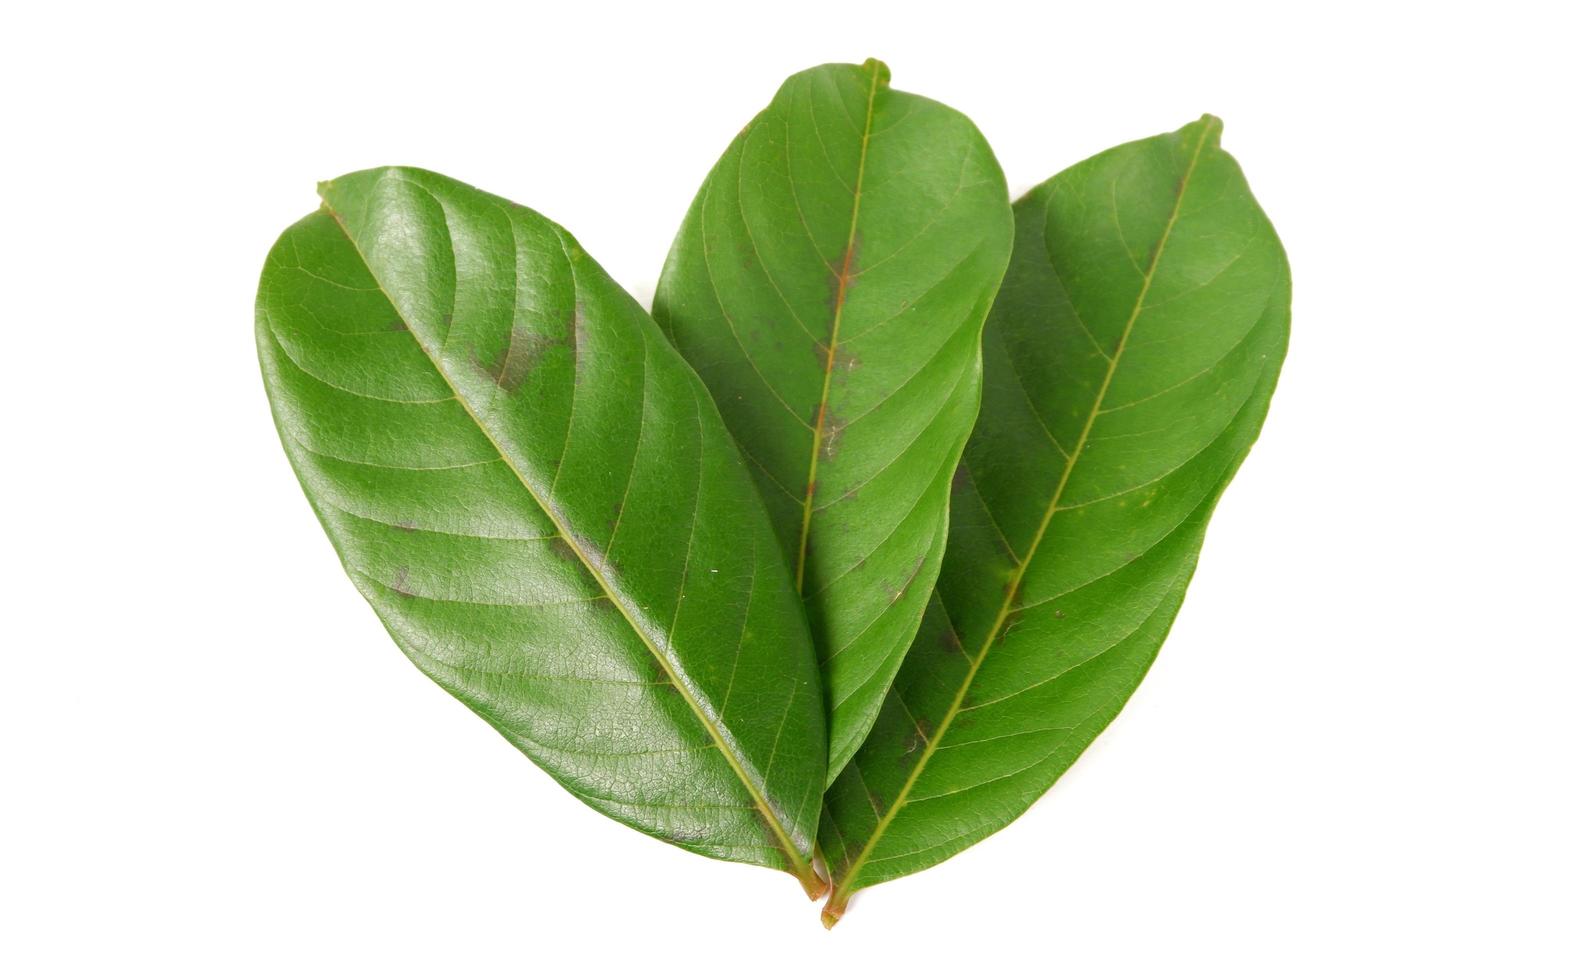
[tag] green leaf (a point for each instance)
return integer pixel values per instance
(538, 498)
(1129, 362)
(829, 285)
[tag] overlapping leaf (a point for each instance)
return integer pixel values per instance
(539, 499)
(1129, 362)
(829, 285)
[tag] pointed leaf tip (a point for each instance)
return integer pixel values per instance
(1214, 127)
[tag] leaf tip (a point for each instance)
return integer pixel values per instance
(1213, 126)
(872, 66)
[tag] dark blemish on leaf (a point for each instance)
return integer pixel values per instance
(877, 801)
(511, 367)
(919, 736)
(833, 432)
(841, 277)
(397, 325)
(400, 585)
(563, 549)
(949, 641)
(589, 552)
(449, 320)
(820, 355)
(958, 481)
(916, 569)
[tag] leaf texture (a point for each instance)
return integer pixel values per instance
(1129, 362)
(539, 499)
(829, 284)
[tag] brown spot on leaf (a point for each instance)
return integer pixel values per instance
(842, 275)
(397, 325)
(949, 641)
(833, 432)
(1011, 620)
(525, 348)
(916, 569)
(400, 585)
(958, 481)
(510, 368)
(820, 355)
(918, 736)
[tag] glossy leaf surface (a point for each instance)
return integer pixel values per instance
(1129, 362)
(540, 501)
(829, 284)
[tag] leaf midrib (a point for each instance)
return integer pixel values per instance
(843, 278)
(799, 866)
(841, 888)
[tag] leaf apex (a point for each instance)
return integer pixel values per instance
(872, 66)
(1214, 127)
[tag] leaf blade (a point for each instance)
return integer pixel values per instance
(829, 283)
(1150, 370)
(481, 417)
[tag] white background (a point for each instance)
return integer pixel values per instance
(1357, 755)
